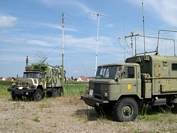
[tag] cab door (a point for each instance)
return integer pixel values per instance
(129, 82)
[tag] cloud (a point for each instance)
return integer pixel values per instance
(166, 9)
(7, 21)
(72, 3)
(58, 27)
(83, 7)
(37, 42)
(75, 71)
(110, 26)
(163, 9)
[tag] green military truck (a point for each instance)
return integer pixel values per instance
(122, 89)
(38, 79)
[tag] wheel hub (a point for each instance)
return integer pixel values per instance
(127, 110)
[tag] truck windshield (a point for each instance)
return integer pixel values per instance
(31, 75)
(106, 72)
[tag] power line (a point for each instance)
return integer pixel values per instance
(77, 51)
(52, 35)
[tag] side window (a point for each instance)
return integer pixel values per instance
(174, 67)
(128, 72)
(112, 72)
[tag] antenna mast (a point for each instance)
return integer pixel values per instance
(63, 51)
(98, 18)
(143, 28)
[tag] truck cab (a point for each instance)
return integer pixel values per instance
(113, 83)
(39, 77)
(114, 80)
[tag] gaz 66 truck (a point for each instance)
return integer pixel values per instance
(122, 89)
(38, 79)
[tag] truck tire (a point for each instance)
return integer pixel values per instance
(126, 109)
(14, 97)
(174, 109)
(54, 93)
(60, 91)
(38, 95)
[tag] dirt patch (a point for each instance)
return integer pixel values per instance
(70, 114)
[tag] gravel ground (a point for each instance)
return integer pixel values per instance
(71, 115)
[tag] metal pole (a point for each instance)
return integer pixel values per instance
(159, 37)
(63, 52)
(143, 28)
(98, 16)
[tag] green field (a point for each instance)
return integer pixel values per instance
(71, 88)
(4, 85)
(75, 88)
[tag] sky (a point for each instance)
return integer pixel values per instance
(33, 28)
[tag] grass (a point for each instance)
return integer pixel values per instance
(75, 88)
(78, 89)
(4, 85)
(36, 119)
(149, 114)
(45, 105)
(71, 88)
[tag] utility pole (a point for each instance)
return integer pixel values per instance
(98, 18)
(63, 73)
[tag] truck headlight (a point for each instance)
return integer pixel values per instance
(20, 88)
(106, 94)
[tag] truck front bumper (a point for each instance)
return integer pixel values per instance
(23, 91)
(91, 101)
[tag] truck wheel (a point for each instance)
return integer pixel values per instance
(13, 96)
(54, 93)
(126, 109)
(60, 91)
(174, 109)
(38, 95)
(19, 97)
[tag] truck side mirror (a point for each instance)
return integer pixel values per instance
(122, 72)
(117, 77)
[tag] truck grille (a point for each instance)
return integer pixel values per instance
(97, 89)
(24, 84)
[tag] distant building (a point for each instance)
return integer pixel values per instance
(10, 79)
(82, 78)
(2, 79)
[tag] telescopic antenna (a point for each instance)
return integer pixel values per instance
(63, 51)
(98, 18)
(143, 28)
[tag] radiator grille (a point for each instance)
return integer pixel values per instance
(97, 89)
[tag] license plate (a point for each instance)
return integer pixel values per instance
(90, 92)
